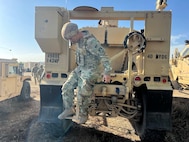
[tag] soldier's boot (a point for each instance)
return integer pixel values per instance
(66, 113)
(81, 119)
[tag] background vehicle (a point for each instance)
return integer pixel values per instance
(12, 82)
(140, 89)
(179, 68)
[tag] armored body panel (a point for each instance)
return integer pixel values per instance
(179, 68)
(12, 82)
(140, 89)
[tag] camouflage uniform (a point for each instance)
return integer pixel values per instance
(40, 73)
(89, 53)
(34, 72)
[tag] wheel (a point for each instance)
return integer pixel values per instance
(25, 92)
(140, 125)
(145, 134)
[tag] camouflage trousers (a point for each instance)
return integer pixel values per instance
(83, 80)
(35, 76)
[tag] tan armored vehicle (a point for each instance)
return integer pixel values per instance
(12, 82)
(140, 89)
(179, 68)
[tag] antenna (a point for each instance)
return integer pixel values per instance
(66, 4)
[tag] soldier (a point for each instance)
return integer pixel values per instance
(34, 72)
(89, 55)
(40, 73)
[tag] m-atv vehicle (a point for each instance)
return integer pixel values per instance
(140, 89)
(12, 82)
(179, 68)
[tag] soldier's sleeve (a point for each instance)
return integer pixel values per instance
(95, 48)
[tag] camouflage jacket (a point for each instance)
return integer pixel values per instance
(90, 53)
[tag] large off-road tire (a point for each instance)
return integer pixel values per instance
(25, 92)
(145, 134)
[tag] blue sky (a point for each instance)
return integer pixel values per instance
(17, 23)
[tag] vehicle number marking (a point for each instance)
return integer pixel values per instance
(157, 56)
(150, 56)
(52, 58)
(161, 56)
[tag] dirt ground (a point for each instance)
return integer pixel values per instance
(18, 119)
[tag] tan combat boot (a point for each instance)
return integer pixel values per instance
(66, 113)
(81, 119)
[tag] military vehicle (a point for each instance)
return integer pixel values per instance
(12, 82)
(179, 69)
(140, 89)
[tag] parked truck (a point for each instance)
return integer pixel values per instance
(140, 89)
(179, 68)
(12, 81)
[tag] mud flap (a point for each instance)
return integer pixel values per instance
(159, 121)
(51, 106)
(159, 107)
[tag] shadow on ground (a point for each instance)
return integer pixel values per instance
(45, 132)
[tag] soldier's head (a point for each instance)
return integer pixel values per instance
(69, 30)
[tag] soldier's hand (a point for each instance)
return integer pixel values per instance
(106, 78)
